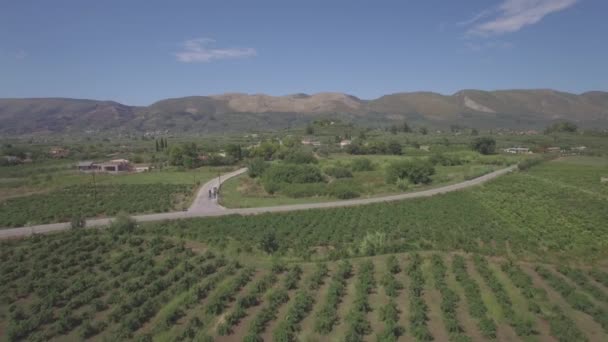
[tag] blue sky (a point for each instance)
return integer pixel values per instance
(138, 52)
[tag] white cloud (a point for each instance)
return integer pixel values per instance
(20, 55)
(513, 15)
(199, 51)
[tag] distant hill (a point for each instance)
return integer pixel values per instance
(242, 112)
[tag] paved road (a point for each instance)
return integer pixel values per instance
(202, 203)
(203, 207)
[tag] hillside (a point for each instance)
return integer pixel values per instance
(242, 112)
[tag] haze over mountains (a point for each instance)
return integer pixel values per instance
(519, 109)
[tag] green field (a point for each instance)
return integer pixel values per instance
(35, 194)
(522, 257)
(245, 192)
(115, 285)
(520, 214)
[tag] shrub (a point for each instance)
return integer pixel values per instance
(271, 187)
(445, 160)
(123, 223)
(256, 167)
(484, 145)
(343, 189)
(338, 172)
(269, 242)
(416, 172)
(300, 157)
(78, 221)
(303, 190)
(394, 147)
(362, 164)
(293, 173)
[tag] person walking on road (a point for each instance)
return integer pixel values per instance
(210, 194)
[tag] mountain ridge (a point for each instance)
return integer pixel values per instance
(514, 108)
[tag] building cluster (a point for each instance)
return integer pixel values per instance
(112, 166)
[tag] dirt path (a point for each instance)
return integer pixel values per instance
(205, 207)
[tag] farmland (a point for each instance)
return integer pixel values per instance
(522, 257)
(91, 201)
(362, 181)
(146, 287)
(63, 193)
(520, 214)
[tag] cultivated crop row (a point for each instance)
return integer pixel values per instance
(252, 298)
(477, 308)
(303, 301)
(418, 308)
(562, 327)
(389, 313)
(581, 280)
(449, 300)
(521, 326)
(575, 298)
(90, 201)
(358, 325)
(327, 317)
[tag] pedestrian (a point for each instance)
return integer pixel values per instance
(210, 194)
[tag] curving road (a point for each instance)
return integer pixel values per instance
(202, 206)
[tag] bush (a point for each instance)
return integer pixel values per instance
(78, 221)
(123, 223)
(269, 242)
(528, 163)
(292, 173)
(445, 160)
(271, 187)
(300, 157)
(416, 172)
(343, 189)
(338, 172)
(362, 164)
(303, 190)
(256, 167)
(567, 127)
(484, 145)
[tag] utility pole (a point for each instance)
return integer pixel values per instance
(94, 189)
(219, 181)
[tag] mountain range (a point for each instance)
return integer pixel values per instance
(235, 112)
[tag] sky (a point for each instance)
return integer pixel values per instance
(139, 52)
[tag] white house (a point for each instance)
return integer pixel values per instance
(345, 143)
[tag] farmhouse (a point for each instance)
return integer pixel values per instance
(345, 143)
(553, 149)
(112, 166)
(518, 150)
(141, 168)
(310, 142)
(59, 152)
(12, 159)
(86, 166)
(116, 165)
